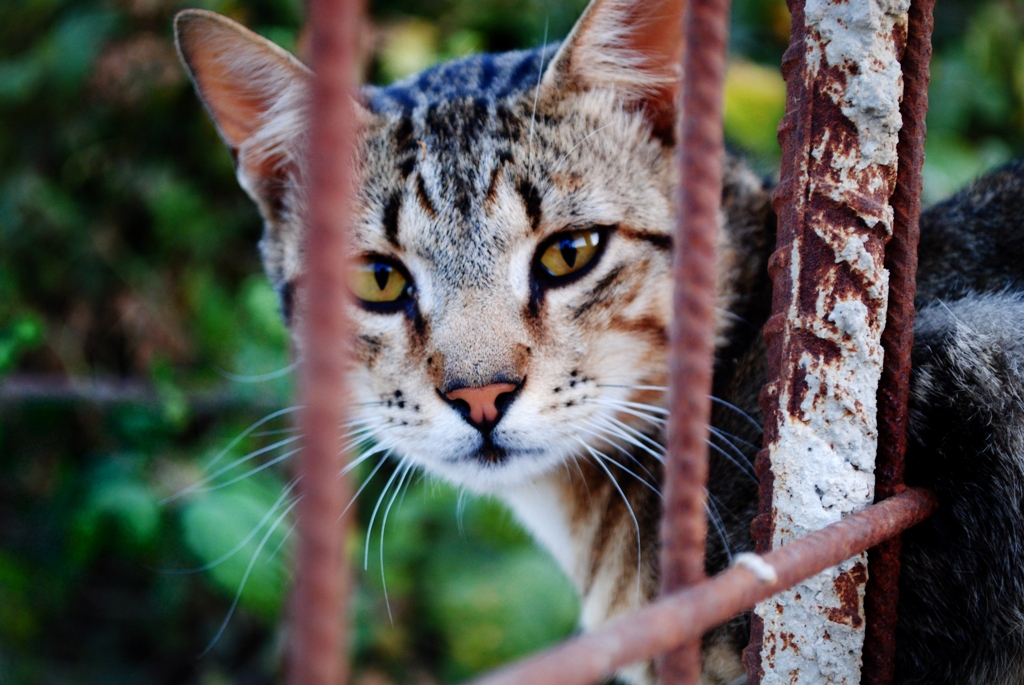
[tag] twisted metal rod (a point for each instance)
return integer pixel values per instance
(319, 616)
(881, 594)
(701, 156)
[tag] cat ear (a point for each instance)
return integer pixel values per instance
(256, 93)
(632, 46)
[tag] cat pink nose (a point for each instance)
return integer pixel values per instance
(482, 401)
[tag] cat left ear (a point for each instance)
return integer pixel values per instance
(256, 93)
(258, 97)
(634, 47)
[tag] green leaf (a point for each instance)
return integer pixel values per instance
(173, 401)
(951, 162)
(74, 45)
(18, 621)
(408, 47)
(23, 334)
(492, 610)
(263, 308)
(182, 218)
(19, 79)
(216, 524)
(118, 499)
(755, 100)
(284, 36)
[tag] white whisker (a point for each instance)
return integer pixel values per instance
(636, 409)
(568, 473)
(241, 436)
(629, 507)
(640, 435)
(732, 315)
(611, 460)
(376, 449)
(460, 511)
(739, 411)
(361, 427)
(625, 410)
(583, 140)
(383, 528)
(373, 516)
(408, 486)
(262, 467)
(640, 406)
(747, 470)
(238, 548)
(711, 507)
(740, 455)
(224, 469)
(536, 93)
(259, 378)
(607, 433)
(284, 539)
(245, 576)
(618, 432)
(279, 431)
(664, 388)
(729, 437)
(583, 477)
(363, 485)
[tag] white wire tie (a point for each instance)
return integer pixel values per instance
(756, 564)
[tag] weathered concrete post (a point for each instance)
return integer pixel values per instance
(839, 138)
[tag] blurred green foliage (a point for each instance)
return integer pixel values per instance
(128, 251)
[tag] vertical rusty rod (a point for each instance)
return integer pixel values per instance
(684, 527)
(319, 636)
(897, 339)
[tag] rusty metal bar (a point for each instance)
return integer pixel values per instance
(319, 616)
(684, 524)
(101, 392)
(839, 140)
(686, 615)
(897, 340)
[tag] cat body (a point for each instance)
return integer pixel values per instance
(512, 283)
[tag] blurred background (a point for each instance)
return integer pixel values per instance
(145, 386)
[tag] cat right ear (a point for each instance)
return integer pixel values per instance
(256, 93)
(634, 47)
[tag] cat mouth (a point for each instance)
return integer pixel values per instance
(491, 454)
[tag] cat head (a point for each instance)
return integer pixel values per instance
(512, 234)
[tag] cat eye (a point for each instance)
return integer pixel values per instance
(378, 283)
(569, 253)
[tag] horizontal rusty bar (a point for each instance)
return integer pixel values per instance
(685, 616)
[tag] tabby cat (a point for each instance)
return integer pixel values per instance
(513, 297)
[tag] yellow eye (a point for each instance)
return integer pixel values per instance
(377, 282)
(570, 252)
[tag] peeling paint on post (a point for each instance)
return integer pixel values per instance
(839, 141)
